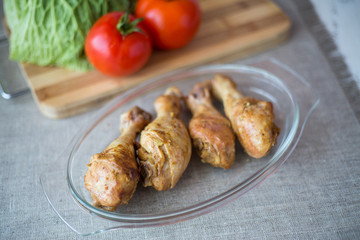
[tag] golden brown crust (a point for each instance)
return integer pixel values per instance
(252, 120)
(211, 133)
(165, 145)
(113, 174)
(112, 178)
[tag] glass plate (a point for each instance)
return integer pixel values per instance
(202, 188)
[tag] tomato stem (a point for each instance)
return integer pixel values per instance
(125, 27)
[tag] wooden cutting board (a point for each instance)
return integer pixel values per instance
(230, 29)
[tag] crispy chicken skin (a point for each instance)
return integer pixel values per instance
(252, 120)
(113, 174)
(211, 132)
(165, 144)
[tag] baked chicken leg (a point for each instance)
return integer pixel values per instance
(211, 133)
(252, 120)
(165, 144)
(113, 175)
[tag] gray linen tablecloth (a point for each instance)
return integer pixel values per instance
(314, 195)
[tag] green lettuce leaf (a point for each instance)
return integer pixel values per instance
(53, 32)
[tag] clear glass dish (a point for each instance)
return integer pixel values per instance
(202, 188)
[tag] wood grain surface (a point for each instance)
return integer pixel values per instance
(230, 29)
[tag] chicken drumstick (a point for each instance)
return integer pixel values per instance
(252, 120)
(165, 144)
(211, 133)
(113, 174)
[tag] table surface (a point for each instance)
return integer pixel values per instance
(315, 194)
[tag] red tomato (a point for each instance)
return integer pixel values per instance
(118, 51)
(172, 23)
